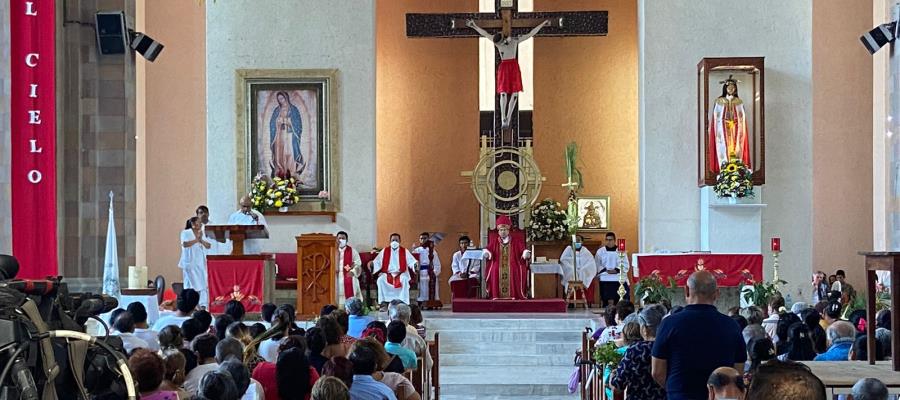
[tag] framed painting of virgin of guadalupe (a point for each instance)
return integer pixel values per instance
(286, 129)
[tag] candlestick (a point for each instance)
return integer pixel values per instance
(621, 251)
(775, 268)
(776, 244)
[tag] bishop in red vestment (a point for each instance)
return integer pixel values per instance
(507, 272)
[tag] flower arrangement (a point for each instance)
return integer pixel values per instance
(734, 180)
(548, 221)
(323, 196)
(273, 193)
(652, 290)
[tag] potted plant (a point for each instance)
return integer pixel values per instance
(760, 292)
(652, 290)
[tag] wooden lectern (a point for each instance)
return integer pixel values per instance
(883, 261)
(237, 234)
(316, 257)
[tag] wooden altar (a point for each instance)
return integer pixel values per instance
(316, 254)
(882, 261)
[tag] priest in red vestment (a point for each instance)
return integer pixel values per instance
(507, 272)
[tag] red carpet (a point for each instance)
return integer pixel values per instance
(509, 306)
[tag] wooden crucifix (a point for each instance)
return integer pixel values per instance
(507, 21)
(505, 127)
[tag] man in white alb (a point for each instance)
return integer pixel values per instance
(465, 272)
(193, 260)
(248, 216)
(587, 266)
(348, 273)
(608, 267)
(393, 266)
(429, 267)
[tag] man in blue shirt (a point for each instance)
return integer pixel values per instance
(691, 344)
(396, 332)
(365, 387)
(840, 335)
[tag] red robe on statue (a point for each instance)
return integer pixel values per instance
(507, 273)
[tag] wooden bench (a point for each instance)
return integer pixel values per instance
(427, 382)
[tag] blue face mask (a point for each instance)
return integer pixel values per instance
(577, 246)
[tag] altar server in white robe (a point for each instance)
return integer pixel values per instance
(248, 216)
(193, 260)
(393, 266)
(587, 266)
(608, 267)
(429, 265)
(465, 272)
(348, 275)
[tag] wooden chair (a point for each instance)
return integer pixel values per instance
(434, 347)
(177, 287)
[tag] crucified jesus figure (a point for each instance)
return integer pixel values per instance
(509, 77)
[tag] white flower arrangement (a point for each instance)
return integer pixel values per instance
(548, 222)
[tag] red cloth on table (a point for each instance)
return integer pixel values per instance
(729, 269)
(238, 279)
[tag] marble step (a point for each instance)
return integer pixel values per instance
(504, 381)
(510, 348)
(511, 336)
(462, 324)
(478, 360)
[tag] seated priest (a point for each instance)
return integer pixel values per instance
(585, 264)
(507, 274)
(464, 281)
(429, 267)
(393, 266)
(348, 275)
(248, 216)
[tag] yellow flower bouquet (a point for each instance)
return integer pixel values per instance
(734, 180)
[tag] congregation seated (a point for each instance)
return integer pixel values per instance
(235, 309)
(365, 364)
(282, 326)
(241, 377)
(221, 325)
(147, 369)
(356, 320)
(172, 338)
(759, 352)
(785, 380)
(204, 346)
(726, 383)
(812, 319)
(185, 304)
(266, 312)
(240, 332)
(217, 385)
(753, 331)
(334, 347)
(416, 320)
(175, 367)
(124, 327)
(141, 329)
(205, 318)
(315, 340)
(883, 330)
(798, 344)
(623, 309)
(869, 389)
(840, 338)
(398, 383)
(633, 374)
(394, 345)
(859, 350)
(401, 312)
(266, 372)
(341, 368)
(330, 388)
(293, 376)
(753, 314)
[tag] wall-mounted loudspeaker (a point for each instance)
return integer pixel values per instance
(111, 32)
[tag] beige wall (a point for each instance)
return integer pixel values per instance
(585, 90)
(426, 129)
(171, 109)
(427, 106)
(842, 137)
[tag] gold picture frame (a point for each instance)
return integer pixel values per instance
(287, 125)
(593, 214)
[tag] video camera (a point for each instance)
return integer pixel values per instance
(40, 360)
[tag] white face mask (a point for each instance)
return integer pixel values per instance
(395, 245)
(342, 242)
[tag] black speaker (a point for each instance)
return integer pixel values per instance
(146, 46)
(111, 32)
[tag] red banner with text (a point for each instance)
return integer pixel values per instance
(33, 159)
(729, 269)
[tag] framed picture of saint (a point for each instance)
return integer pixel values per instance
(593, 213)
(731, 116)
(286, 130)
